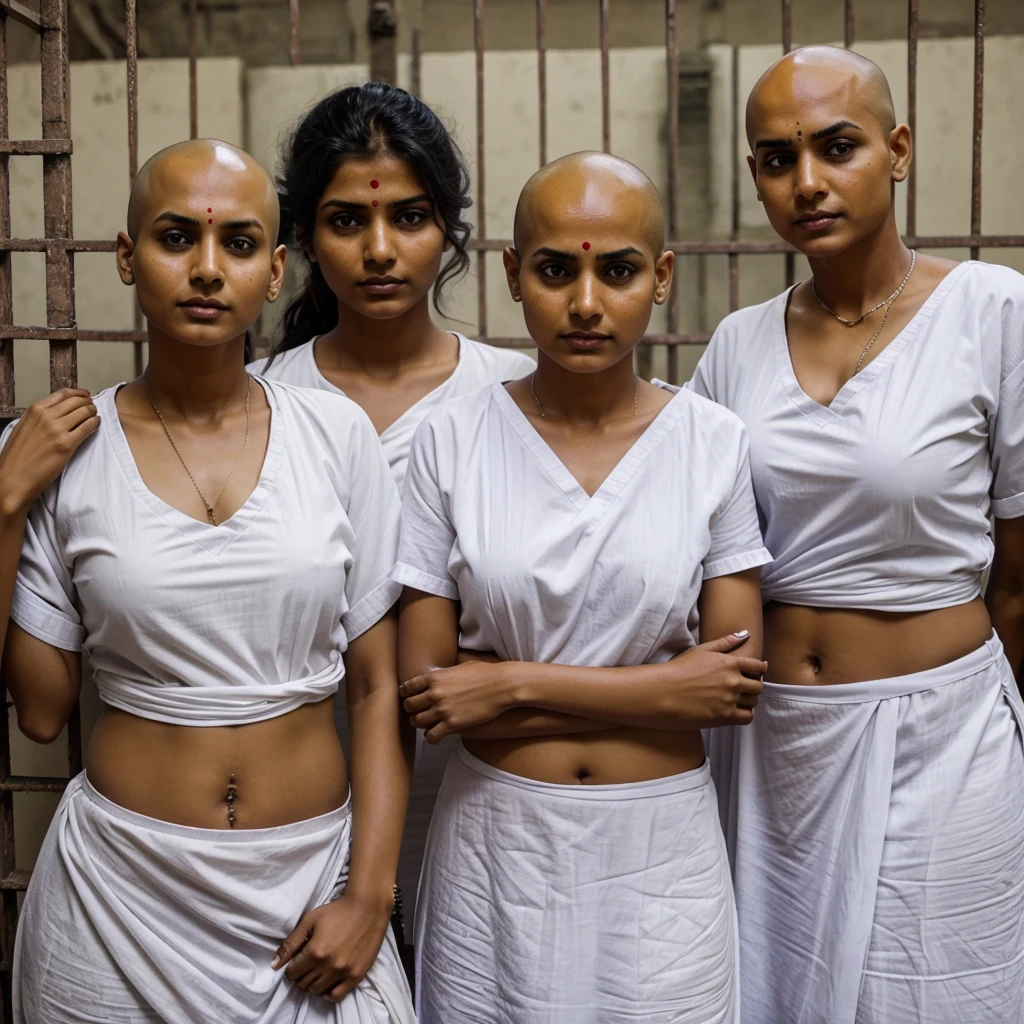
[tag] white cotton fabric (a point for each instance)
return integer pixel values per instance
(478, 366)
(881, 500)
(875, 830)
(551, 904)
(492, 518)
(129, 919)
(200, 625)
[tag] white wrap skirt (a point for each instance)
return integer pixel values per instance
(556, 904)
(877, 837)
(130, 919)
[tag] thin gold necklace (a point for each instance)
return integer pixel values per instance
(245, 444)
(540, 408)
(892, 298)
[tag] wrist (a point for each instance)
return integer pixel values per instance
(13, 509)
(374, 894)
(513, 685)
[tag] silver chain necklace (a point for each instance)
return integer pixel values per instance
(245, 444)
(540, 408)
(885, 316)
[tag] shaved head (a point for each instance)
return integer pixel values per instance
(590, 187)
(813, 73)
(217, 162)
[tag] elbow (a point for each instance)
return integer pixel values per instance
(39, 726)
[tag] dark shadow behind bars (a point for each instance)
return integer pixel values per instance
(59, 245)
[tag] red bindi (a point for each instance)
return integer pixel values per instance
(209, 209)
(210, 221)
(586, 245)
(375, 183)
(375, 203)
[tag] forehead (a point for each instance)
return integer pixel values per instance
(389, 171)
(588, 208)
(814, 98)
(227, 187)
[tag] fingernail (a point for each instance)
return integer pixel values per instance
(742, 634)
(275, 963)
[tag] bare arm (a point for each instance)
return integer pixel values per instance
(701, 687)
(428, 640)
(332, 947)
(43, 680)
(1005, 595)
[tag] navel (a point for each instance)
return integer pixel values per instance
(583, 775)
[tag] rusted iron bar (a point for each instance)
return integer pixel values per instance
(416, 63)
(672, 71)
(383, 42)
(787, 25)
(979, 89)
(16, 881)
(542, 79)
(67, 244)
(35, 147)
(20, 13)
(734, 281)
(6, 282)
(193, 56)
(67, 334)
(848, 23)
(912, 29)
(32, 784)
(481, 188)
(294, 43)
(606, 98)
(131, 45)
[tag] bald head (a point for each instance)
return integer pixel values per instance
(590, 187)
(203, 165)
(804, 79)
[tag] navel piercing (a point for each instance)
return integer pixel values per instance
(375, 183)
(586, 245)
(230, 798)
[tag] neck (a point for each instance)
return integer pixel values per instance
(588, 398)
(385, 345)
(855, 279)
(193, 382)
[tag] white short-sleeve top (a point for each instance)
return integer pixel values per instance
(478, 366)
(881, 500)
(492, 518)
(201, 625)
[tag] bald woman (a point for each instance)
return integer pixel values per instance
(568, 531)
(876, 811)
(219, 546)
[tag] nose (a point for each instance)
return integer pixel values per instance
(585, 301)
(380, 247)
(810, 181)
(206, 256)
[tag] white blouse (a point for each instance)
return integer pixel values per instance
(881, 500)
(478, 366)
(492, 518)
(201, 625)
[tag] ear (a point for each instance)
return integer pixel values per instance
(277, 264)
(752, 164)
(512, 267)
(901, 151)
(663, 270)
(125, 255)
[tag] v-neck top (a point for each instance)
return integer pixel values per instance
(478, 366)
(881, 500)
(201, 625)
(492, 518)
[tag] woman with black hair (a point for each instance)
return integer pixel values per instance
(373, 191)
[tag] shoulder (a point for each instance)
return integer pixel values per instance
(746, 327)
(461, 417)
(324, 412)
(492, 363)
(700, 416)
(288, 366)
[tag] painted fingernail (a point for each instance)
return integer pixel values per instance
(743, 633)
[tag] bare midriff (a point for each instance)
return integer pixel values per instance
(830, 646)
(261, 775)
(612, 757)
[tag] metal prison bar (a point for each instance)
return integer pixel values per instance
(59, 245)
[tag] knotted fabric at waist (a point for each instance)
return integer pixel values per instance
(217, 705)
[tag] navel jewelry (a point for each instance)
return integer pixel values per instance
(230, 798)
(209, 507)
(540, 408)
(892, 298)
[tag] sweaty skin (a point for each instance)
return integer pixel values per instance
(586, 307)
(832, 197)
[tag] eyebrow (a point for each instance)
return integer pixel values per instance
(238, 225)
(344, 205)
(618, 254)
(232, 225)
(822, 133)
